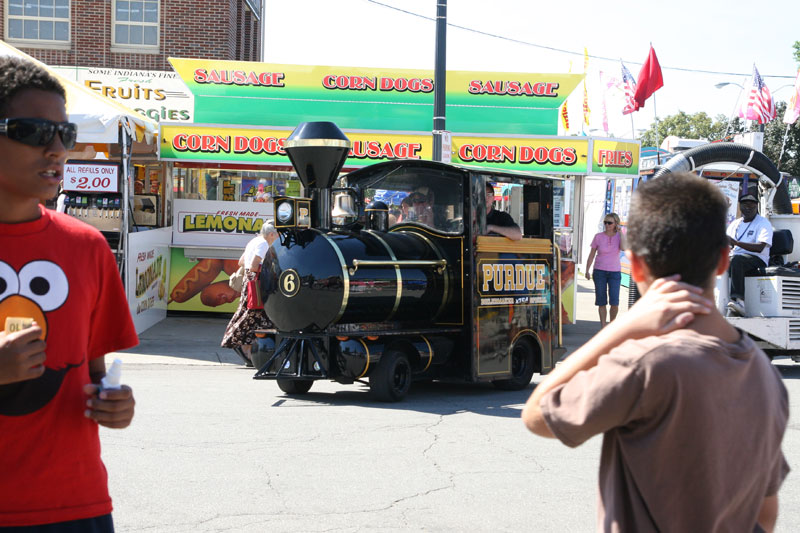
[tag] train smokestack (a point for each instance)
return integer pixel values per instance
(317, 151)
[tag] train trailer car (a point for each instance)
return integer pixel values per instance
(772, 294)
(358, 291)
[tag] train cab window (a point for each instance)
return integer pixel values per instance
(538, 210)
(503, 209)
(429, 197)
(527, 204)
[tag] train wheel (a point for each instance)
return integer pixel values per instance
(523, 365)
(392, 377)
(295, 386)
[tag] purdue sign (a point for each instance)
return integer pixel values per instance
(513, 282)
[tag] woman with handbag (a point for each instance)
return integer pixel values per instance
(240, 332)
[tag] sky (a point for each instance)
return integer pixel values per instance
(699, 44)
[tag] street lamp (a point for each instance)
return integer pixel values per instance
(735, 105)
(724, 83)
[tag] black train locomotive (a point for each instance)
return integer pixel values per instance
(358, 291)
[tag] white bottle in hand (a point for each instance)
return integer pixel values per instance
(112, 379)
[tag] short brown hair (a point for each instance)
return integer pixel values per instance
(676, 224)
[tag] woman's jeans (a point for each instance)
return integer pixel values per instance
(606, 287)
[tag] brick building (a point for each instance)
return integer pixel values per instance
(133, 34)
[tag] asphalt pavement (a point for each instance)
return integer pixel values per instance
(213, 450)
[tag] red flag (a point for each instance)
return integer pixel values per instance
(650, 79)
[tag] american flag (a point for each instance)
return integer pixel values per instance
(629, 86)
(758, 105)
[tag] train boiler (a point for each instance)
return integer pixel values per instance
(360, 291)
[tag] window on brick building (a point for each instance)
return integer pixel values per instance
(136, 23)
(45, 21)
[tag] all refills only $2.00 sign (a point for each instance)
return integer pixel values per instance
(91, 177)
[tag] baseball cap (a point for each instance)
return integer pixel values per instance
(747, 198)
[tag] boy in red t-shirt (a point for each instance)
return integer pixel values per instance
(61, 273)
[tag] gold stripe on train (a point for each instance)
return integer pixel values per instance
(489, 244)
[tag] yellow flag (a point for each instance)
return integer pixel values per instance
(586, 111)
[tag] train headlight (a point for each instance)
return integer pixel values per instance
(284, 213)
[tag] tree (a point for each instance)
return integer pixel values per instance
(796, 46)
(696, 126)
(773, 140)
(701, 126)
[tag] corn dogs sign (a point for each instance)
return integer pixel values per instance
(208, 223)
(239, 145)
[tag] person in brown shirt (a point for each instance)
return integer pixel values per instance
(691, 410)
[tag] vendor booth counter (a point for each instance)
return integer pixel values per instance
(208, 237)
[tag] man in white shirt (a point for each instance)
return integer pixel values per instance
(751, 238)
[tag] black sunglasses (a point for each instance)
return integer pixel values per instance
(39, 131)
(608, 222)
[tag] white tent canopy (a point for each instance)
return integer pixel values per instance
(98, 117)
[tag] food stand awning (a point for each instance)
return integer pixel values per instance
(98, 118)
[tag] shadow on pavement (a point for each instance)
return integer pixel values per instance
(194, 338)
(586, 287)
(788, 368)
(439, 398)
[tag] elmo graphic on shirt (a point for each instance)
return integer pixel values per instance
(38, 288)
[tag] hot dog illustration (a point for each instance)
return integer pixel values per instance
(217, 294)
(199, 277)
(230, 266)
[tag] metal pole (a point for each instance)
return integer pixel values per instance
(655, 117)
(439, 78)
(783, 145)
(122, 244)
(735, 106)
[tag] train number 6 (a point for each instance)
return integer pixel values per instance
(289, 282)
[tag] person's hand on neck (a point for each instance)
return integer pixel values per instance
(708, 321)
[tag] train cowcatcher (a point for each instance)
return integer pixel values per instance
(358, 291)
